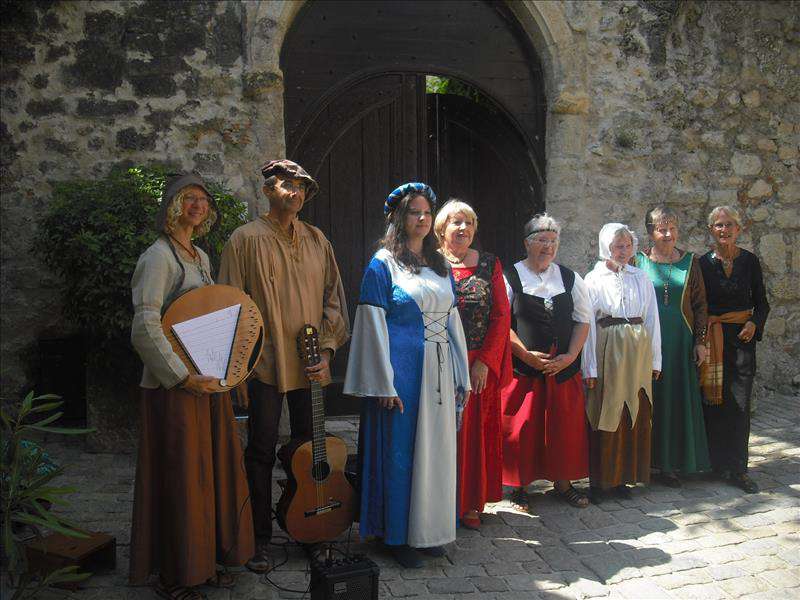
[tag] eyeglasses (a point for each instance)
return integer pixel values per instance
(543, 241)
(726, 225)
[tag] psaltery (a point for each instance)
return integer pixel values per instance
(216, 330)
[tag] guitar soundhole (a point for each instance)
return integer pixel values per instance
(320, 471)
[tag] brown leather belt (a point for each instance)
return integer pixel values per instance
(609, 321)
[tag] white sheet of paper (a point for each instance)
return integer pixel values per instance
(208, 338)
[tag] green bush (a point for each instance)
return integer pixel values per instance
(92, 234)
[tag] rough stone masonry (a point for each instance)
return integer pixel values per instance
(690, 103)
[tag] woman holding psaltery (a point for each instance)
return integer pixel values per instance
(485, 315)
(620, 364)
(191, 508)
(408, 358)
(679, 436)
(545, 435)
(737, 309)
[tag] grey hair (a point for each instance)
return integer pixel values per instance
(450, 208)
(732, 212)
(542, 222)
(659, 214)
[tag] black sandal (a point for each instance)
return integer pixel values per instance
(572, 497)
(519, 499)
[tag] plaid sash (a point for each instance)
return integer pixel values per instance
(711, 370)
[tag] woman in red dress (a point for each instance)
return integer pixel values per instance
(545, 433)
(485, 315)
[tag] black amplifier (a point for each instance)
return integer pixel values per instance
(353, 578)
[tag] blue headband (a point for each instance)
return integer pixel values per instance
(408, 188)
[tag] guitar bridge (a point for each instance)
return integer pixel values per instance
(321, 510)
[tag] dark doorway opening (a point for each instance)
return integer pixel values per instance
(360, 119)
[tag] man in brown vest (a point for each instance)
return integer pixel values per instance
(288, 268)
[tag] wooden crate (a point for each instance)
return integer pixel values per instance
(94, 554)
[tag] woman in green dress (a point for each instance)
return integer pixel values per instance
(679, 443)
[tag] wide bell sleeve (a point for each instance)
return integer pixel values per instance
(369, 367)
(650, 316)
(697, 300)
(589, 352)
(495, 352)
(151, 282)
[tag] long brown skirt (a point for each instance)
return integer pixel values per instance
(191, 508)
(622, 456)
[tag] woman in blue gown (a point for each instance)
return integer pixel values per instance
(408, 358)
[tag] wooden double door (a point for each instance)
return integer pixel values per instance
(384, 131)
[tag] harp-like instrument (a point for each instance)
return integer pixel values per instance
(196, 311)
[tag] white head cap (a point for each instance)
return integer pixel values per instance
(609, 233)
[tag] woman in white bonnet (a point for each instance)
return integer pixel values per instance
(619, 366)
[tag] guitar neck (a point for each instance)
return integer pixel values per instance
(318, 415)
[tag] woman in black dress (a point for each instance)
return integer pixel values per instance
(737, 311)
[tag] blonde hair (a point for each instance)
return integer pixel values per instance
(732, 212)
(450, 208)
(175, 210)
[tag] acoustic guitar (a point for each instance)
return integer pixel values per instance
(318, 502)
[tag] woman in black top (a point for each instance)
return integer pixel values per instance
(737, 311)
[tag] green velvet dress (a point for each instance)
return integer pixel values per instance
(679, 436)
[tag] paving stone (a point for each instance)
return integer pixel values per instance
(781, 578)
(527, 582)
(559, 558)
(792, 556)
(507, 568)
(489, 584)
(721, 539)
(499, 530)
(762, 547)
(519, 554)
(462, 571)
(597, 519)
(727, 571)
(450, 585)
(682, 578)
(536, 566)
(706, 591)
(630, 515)
(759, 564)
(637, 589)
(588, 588)
(426, 572)
(563, 523)
(742, 586)
(403, 587)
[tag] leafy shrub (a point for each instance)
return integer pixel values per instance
(92, 234)
(27, 492)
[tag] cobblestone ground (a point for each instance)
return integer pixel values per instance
(706, 540)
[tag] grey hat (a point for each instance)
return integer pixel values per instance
(174, 184)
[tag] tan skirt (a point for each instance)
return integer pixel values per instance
(191, 507)
(622, 456)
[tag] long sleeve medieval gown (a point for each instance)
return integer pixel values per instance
(408, 341)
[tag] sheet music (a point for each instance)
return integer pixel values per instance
(208, 338)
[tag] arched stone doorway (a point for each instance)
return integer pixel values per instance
(357, 116)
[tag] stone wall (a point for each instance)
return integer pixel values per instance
(90, 85)
(690, 103)
(696, 104)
